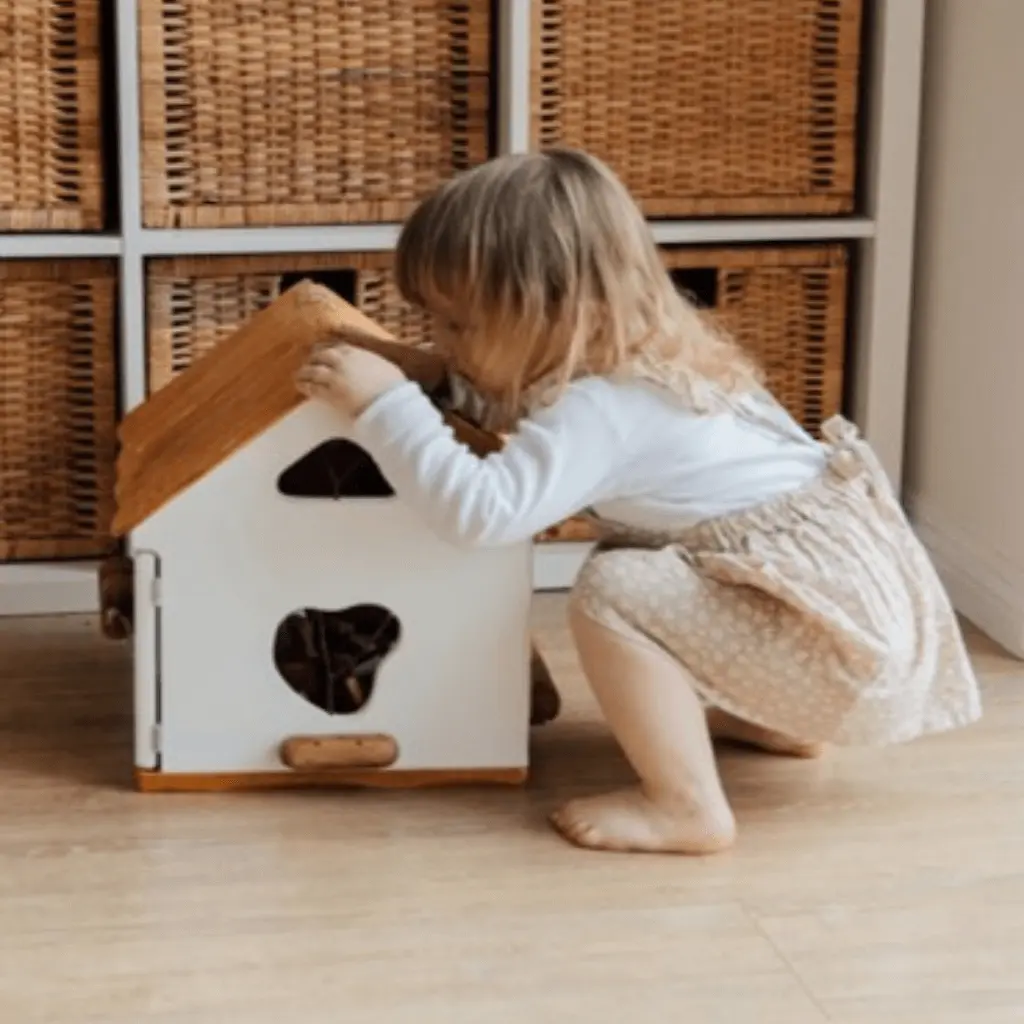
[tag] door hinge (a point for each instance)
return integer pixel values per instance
(155, 739)
(156, 592)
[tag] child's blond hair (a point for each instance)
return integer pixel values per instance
(547, 271)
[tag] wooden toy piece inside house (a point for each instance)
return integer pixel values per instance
(294, 622)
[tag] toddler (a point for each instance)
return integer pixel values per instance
(751, 582)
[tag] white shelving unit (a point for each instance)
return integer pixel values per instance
(882, 233)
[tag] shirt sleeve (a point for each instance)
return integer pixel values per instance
(557, 463)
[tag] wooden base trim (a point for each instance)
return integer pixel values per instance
(148, 781)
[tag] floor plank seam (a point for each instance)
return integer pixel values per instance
(794, 972)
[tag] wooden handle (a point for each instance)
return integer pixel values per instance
(305, 753)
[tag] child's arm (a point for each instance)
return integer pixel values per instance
(557, 463)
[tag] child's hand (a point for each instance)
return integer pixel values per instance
(347, 377)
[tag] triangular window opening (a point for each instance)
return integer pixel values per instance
(331, 658)
(335, 469)
(698, 284)
(341, 469)
(343, 281)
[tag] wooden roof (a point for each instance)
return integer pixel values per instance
(241, 388)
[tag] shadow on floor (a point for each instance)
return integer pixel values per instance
(65, 707)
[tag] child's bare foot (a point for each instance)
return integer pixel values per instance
(631, 820)
(724, 726)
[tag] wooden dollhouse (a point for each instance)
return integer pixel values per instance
(294, 622)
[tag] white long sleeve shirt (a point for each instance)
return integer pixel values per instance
(628, 451)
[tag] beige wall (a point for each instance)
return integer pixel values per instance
(965, 458)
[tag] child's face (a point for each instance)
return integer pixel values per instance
(476, 354)
(451, 334)
(446, 332)
(446, 325)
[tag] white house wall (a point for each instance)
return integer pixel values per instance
(236, 557)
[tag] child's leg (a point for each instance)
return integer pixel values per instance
(724, 726)
(657, 717)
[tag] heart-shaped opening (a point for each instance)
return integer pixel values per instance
(331, 658)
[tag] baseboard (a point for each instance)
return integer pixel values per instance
(557, 564)
(72, 588)
(984, 588)
(49, 588)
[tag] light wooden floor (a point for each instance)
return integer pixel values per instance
(877, 888)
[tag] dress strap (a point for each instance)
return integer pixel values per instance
(850, 456)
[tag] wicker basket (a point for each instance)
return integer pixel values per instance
(308, 111)
(708, 107)
(50, 144)
(788, 308)
(787, 305)
(196, 302)
(57, 408)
